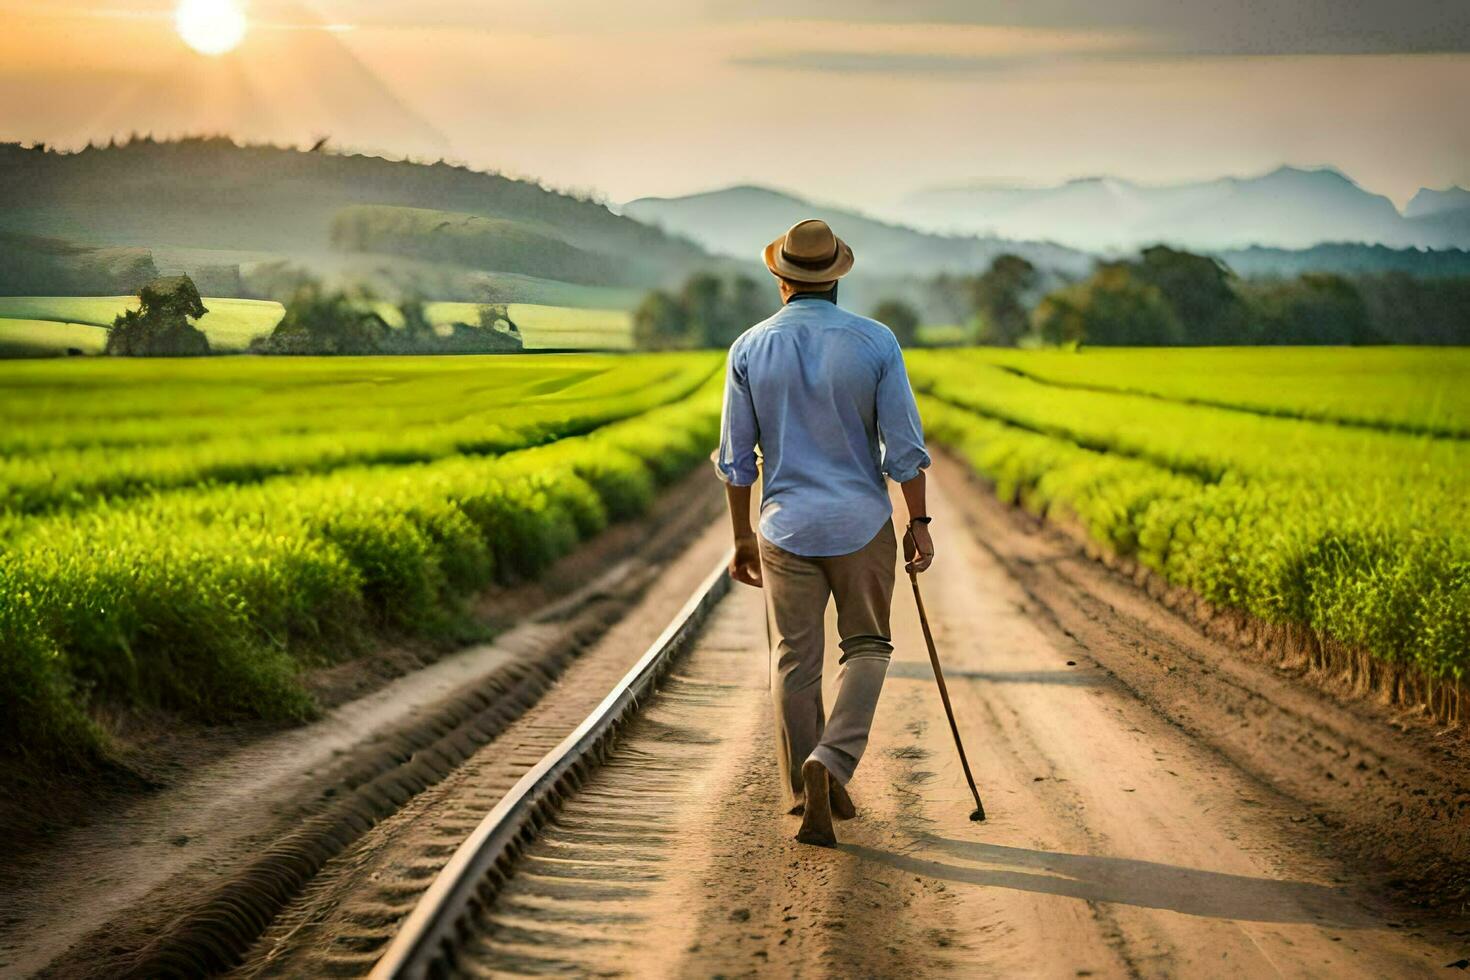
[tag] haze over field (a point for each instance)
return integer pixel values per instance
(865, 103)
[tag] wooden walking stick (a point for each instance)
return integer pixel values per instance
(979, 812)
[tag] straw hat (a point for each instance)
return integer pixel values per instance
(809, 252)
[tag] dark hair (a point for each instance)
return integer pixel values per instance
(827, 291)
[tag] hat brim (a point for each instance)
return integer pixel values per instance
(840, 265)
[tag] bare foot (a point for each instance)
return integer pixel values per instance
(816, 822)
(842, 805)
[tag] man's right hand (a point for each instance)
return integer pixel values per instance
(746, 565)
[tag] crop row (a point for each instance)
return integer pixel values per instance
(1397, 389)
(211, 601)
(137, 440)
(1212, 444)
(1370, 563)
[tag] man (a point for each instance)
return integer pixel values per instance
(824, 394)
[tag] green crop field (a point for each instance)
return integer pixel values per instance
(230, 325)
(45, 326)
(190, 535)
(1411, 389)
(1333, 493)
(553, 326)
(542, 327)
(48, 338)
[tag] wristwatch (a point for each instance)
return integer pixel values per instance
(920, 520)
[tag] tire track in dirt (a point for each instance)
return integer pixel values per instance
(346, 916)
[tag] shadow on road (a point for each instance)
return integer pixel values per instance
(918, 670)
(1128, 882)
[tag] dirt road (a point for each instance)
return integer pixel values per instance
(1160, 803)
(1119, 843)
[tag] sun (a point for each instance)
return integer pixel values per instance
(212, 27)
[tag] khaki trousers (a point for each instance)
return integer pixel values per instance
(797, 589)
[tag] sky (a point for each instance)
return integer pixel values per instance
(859, 103)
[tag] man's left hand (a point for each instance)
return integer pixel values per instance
(918, 549)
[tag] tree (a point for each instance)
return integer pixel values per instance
(496, 317)
(1408, 310)
(416, 329)
(160, 327)
(708, 311)
(901, 318)
(660, 323)
(1000, 296)
(951, 298)
(1314, 308)
(706, 315)
(1114, 308)
(1059, 317)
(1201, 292)
(750, 303)
(322, 322)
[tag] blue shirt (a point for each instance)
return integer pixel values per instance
(824, 394)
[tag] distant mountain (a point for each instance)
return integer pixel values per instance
(741, 221)
(1287, 208)
(892, 260)
(1428, 202)
(1440, 219)
(207, 203)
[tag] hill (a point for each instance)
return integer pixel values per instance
(740, 221)
(1287, 208)
(35, 264)
(209, 203)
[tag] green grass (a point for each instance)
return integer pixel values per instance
(192, 544)
(551, 326)
(229, 325)
(942, 335)
(1357, 532)
(48, 338)
(542, 327)
(32, 326)
(96, 310)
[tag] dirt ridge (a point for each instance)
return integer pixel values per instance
(1396, 790)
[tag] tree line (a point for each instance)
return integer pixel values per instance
(710, 311)
(1169, 297)
(1161, 297)
(707, 311)
(317, 321)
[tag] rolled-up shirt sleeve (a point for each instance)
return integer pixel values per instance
(739, 432)
(899, 428)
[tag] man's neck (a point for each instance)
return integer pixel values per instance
(828, 296)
